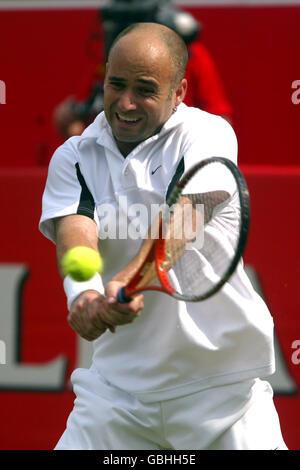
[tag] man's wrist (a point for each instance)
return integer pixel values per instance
(73, 288)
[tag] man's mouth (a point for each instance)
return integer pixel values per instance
(126, 119)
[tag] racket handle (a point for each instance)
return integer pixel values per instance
(122, 297)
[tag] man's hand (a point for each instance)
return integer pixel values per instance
(120, 314)
(91, 314)
(84, 317)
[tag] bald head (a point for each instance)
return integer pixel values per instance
(154, 33)
(144, 82)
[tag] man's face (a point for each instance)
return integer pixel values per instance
(137, 90)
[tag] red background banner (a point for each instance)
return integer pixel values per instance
(45, 55)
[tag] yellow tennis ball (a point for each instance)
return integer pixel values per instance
(81, 263)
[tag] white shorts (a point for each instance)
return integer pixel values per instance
(239, 416)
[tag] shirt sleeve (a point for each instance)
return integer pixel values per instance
(220, 141)
(66, 191)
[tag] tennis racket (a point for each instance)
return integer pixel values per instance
(198, 240)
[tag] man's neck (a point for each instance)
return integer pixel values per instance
(126, 147)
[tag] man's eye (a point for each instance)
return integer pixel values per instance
(117, 85)
(146, 91)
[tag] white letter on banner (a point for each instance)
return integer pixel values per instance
(15, 375)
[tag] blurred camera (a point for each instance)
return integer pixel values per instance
(119, 14)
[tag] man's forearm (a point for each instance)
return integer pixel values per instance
(74, 230)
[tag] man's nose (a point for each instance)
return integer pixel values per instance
(127, 101)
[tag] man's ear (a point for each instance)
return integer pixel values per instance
(181, 91)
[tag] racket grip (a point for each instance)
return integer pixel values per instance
(122, 297)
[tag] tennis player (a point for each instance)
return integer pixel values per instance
(164, 374)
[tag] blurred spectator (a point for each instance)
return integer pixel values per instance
(205, 91)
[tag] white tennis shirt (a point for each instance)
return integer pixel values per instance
(173, 348)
